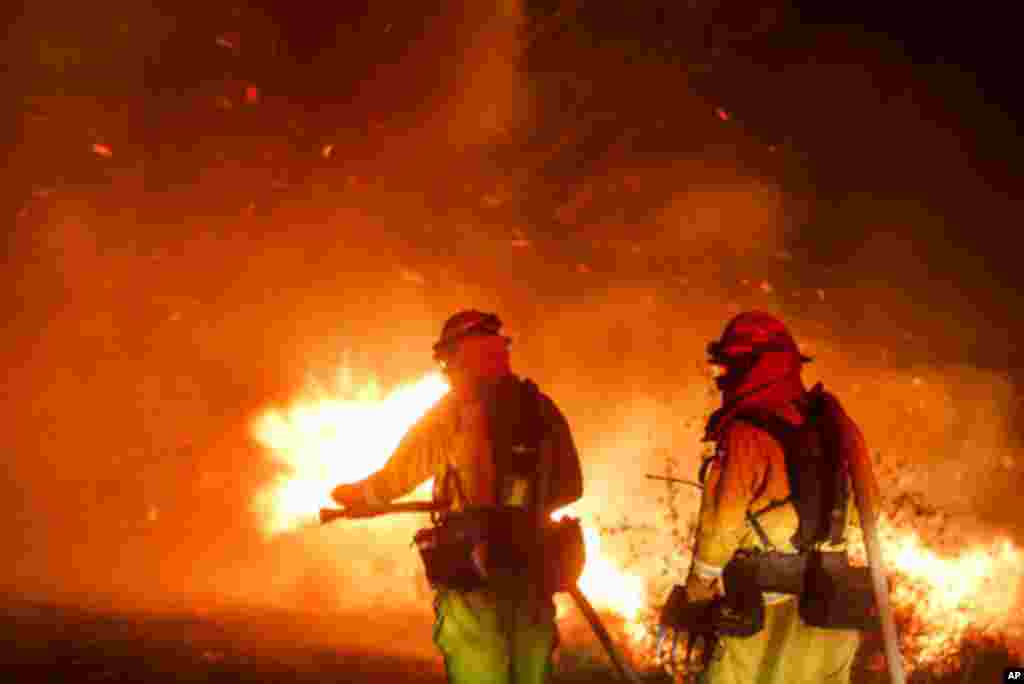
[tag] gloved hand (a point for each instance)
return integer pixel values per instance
(695, 656)
(684, 618)
(349, 495)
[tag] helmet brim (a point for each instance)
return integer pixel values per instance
(486, 324)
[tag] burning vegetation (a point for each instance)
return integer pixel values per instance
(944, 604)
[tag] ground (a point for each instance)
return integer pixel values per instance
(50, 642)
(42, 641)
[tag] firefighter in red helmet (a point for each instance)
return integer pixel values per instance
(759, 367)
(484, 444)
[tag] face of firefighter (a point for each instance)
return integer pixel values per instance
(731, 370)
(479, 357)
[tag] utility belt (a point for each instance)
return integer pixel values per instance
(831, 593)
(555, 556)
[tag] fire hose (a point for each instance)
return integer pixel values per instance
(864, 488)
(328, 515)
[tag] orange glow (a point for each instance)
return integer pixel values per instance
(604, 582)
(329, 440)
(346, 434)
(938, 600)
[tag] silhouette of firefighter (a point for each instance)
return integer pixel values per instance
(770, 596)
(502, 458)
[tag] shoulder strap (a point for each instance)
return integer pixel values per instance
(704, 466)
(534, 429)
(815, 467)
(766, 422)
(788, 436)
(449, 478)
(517, 428)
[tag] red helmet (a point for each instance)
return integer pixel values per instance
(464, 324)
(753, 332)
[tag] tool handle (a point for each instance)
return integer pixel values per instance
(602, 634)
(328, 515)
(674, 480)
(355, 512)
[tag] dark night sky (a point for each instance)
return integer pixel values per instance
(956, 62)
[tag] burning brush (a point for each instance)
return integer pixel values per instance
(941, 604)
(945, 606)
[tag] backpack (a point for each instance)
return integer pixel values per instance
(517, 428)
(816, 467)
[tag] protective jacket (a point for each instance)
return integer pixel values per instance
(452, 443)
(746, 474)
(505, 632)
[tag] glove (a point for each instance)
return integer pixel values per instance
(349, 495)
(681, 616)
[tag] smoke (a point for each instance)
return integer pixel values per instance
(601, 207)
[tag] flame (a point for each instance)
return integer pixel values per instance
(607, 583)
(328, 440)
(603, 580)
(344, 435)
(941, 601)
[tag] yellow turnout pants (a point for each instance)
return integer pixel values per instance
(495, 636)
(786, 651)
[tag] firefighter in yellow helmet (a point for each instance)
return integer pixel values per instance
(484, 444)
(760, 374)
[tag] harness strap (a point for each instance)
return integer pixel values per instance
(450, 475)
(752, 518)
(765, 541)
(785, 434)
(703, 472)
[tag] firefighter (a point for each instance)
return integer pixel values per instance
(498, 628)
(759, 370)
